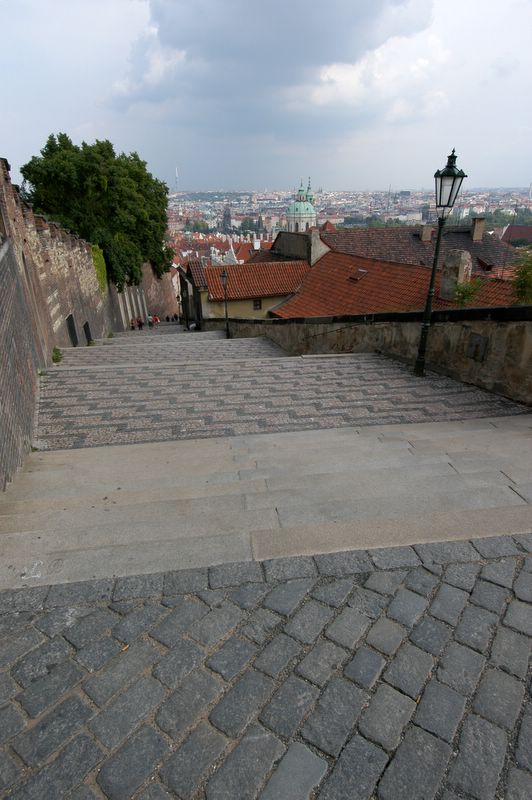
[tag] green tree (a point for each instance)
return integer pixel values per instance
(522, 279)
(248, 225)
(110, 200)
(465, 292)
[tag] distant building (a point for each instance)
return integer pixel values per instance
(301, 214)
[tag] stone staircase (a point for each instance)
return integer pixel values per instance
(236, 452)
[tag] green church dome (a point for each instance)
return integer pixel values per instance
(297, 207)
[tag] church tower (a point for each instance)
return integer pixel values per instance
(301, 214)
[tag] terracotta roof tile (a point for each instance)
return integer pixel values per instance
(246, 281)
(196, 271)
(342, 284)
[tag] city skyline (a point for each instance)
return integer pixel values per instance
(362, 94)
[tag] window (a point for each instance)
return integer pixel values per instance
(257, 305)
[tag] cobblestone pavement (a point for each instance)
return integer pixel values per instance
(394, 674)
(157, 390)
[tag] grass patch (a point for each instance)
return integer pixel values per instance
(57, 355)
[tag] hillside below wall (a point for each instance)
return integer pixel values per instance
(490, 348)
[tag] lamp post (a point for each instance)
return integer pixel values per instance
(448, 182)
(224, 278)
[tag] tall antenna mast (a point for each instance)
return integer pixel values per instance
(176, 179)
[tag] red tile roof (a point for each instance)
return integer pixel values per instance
(246, 281)
(342, 284)
(195, 269)
(518, 233)
(403, 245)
(327, 226)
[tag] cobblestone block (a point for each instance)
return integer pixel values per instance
(496, 547)
(337, 711)
(499, 698)
(82, 793)
(500, 572)
(91, 627)
(277, 655)
(120, 671)
(185, 613)
(242, 702)
(235, 574)
(365, 668)
(409, 670)
(519, 785)
(8, 688)
(284, 569)
(154, 792)
(27, 599)
(248, 595)
(285, 597)
(17, 645)
(175, 665)
(407, 607)
(392, 557)
(39, 661)
(449, 604)
(440, 710)
(45, 691)
(321, 662)
(386, 636)
(524, 540)
(348, 627)
(217, 624)
(482, 748)
(421, 581)
(431, 635)
(16, 621)
(356, 772)
(232, 657)
(446, 552)
(385, 582)
(490, 596)
(122, 716)
(76, 594)
(300, 769)
(334, 593)
(523, 753)
(185, 581)
(417, 769)
(188, 703)
(460, 668)
(261, 625)
(368, 603)
(523, 587)
(184, 770)
(11, 722)
(288, 707)
(247, 767)
(52, 731)
(307, 624)
(123, 773)
(340, 564)
(56, 621)
(476, 628)
(511, 651)
(388, 714)
(94, 656)
(138, 586)
(463, 576)
(136, 623)
(519, 616)
(65, 773)
(8, 771)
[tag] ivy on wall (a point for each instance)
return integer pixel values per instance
(100, 267)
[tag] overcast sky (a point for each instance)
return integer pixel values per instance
(237, 94)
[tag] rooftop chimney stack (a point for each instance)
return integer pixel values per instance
(426, 233)
(456, 269)
(477, 228)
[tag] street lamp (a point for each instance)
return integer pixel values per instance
(224, 277)
(448, 182)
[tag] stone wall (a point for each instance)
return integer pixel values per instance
(490, 348)
(160, 293)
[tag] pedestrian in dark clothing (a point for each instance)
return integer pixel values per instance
(140, 323)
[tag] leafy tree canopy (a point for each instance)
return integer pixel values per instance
(110, 200)
(522, 278)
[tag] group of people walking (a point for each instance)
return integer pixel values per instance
(152, 320)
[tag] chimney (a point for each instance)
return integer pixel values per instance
(477, 228)
(425, 233)
(456, 269)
